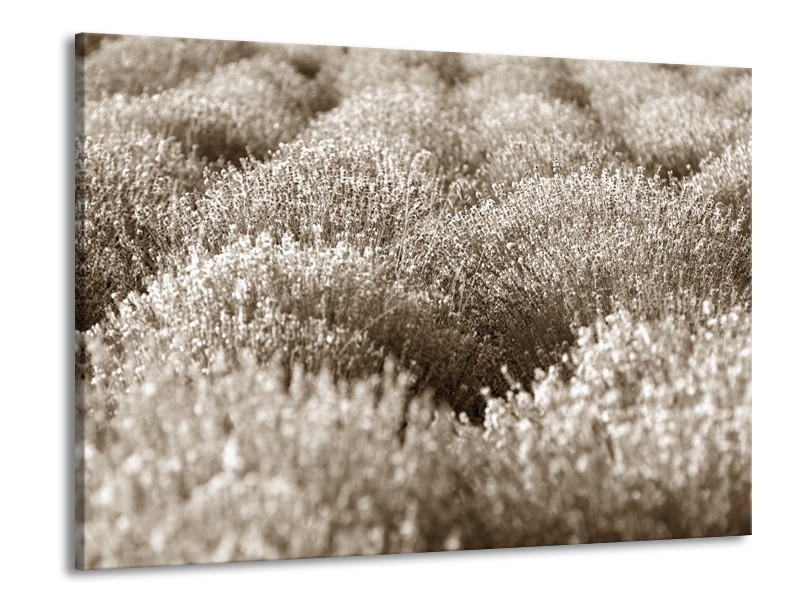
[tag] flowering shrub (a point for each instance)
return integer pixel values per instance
(562, 248)
(136, 65)
(264, 297)
(513, 135)
(738, 97)
(407, 117)
(616, 88)
(337, 306)
(728, 178)
(668, 117)
(129, 195)
(248, 107)
(364, 68)
(719, 83)
(648, 438)
(508, 76)
(366, 191)
(678, 132)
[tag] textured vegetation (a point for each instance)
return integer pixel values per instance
(338, 301)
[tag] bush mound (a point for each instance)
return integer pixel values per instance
(514, 134)
(728, 178)
(413, 115)
(138, 65)
(365, 191)
(241, 109)
(129, 194)
(520, 271)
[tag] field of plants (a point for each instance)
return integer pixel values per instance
(340, 301)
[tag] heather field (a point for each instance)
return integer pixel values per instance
(340, 301)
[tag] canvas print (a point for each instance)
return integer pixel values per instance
(337, 301)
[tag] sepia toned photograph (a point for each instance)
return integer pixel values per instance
(343, 301)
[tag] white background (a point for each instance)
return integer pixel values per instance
(36, 239)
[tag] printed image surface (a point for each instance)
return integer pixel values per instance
(344, 301)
